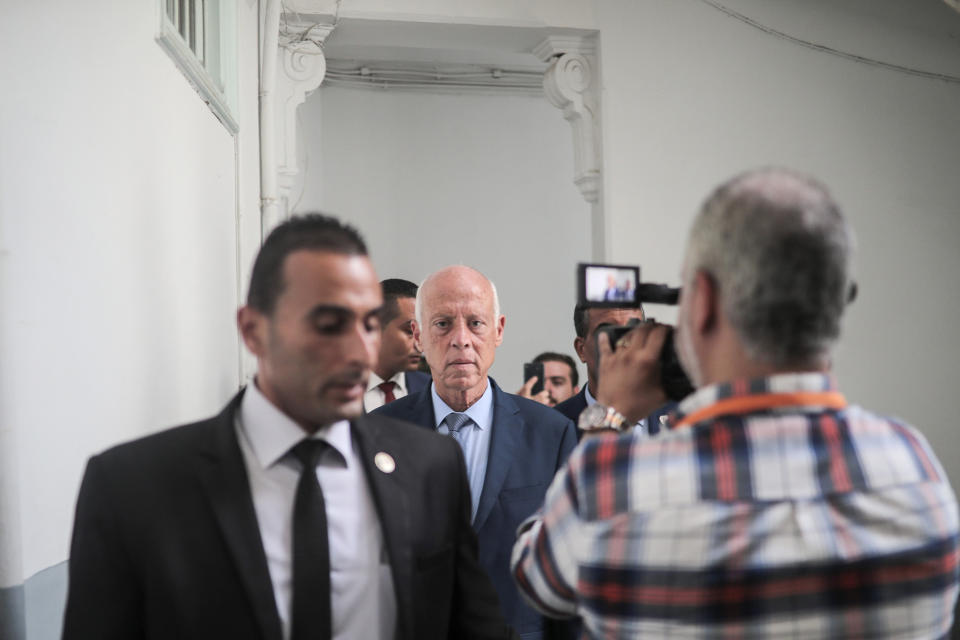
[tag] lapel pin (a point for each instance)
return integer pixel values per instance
(384, 462)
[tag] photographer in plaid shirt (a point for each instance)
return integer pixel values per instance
(771, 508)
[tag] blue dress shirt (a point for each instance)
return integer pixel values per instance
(474, 439)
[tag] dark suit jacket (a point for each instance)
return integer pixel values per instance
(416, 381)
(572, 406)
(166, 542)
(529, 443)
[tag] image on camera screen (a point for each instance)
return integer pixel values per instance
(610, 284)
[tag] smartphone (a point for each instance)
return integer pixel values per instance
(531, 369)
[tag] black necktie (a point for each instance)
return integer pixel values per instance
(312, 618)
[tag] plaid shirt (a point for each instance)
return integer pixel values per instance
(771, 509)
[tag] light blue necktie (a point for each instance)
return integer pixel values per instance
(455, 422)
(460, 427)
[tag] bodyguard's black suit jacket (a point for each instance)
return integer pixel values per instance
(166, 543)
(529, 443)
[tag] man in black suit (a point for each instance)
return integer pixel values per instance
(586, 322)
(289, 515)
(395, 374)
(513, 446)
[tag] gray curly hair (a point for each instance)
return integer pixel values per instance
(780, 252)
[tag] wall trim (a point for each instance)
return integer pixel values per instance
(13, 625)
(36, 606)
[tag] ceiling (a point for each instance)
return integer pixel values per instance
(919, 34)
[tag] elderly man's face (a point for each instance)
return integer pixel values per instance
(460, 332)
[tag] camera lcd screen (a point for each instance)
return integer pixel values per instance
(607, 284)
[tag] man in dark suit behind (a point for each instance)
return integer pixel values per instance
(232, 528)
(513, 446)
(586, 321)
(395, 374)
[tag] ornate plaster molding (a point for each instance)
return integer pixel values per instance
(302, 67)
(571, 85)
(557, 45)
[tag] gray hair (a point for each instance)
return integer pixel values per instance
(780, 251)
(418, 303)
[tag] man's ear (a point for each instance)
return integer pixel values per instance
(576, 389)
(252, 326)
(416, 336)
(578, 345)
(704, 310)
(501, 323)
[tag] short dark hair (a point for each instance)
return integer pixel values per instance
(393, 289)
(309, 231)
(580, 318)
(553, 356)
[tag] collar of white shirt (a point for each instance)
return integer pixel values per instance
(272, 433)
(398, 379)
(481, 411)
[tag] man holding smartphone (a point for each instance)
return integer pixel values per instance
(550, 378)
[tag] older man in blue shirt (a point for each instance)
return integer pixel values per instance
(513, 446)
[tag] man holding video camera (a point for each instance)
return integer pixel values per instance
(771, 508)
(587, 322)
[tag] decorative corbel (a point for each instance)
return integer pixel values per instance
(293, 65)
(570, 84)
(302, 67)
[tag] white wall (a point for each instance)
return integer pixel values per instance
(437, 179)
(118, 252)
(692, 97)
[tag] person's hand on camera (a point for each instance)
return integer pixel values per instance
(526, 391)
(628, 379)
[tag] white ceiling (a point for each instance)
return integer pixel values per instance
(922, 34)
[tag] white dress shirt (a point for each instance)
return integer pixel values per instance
(361, 587)
(374, 397)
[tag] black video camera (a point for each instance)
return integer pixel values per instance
(607, 285)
